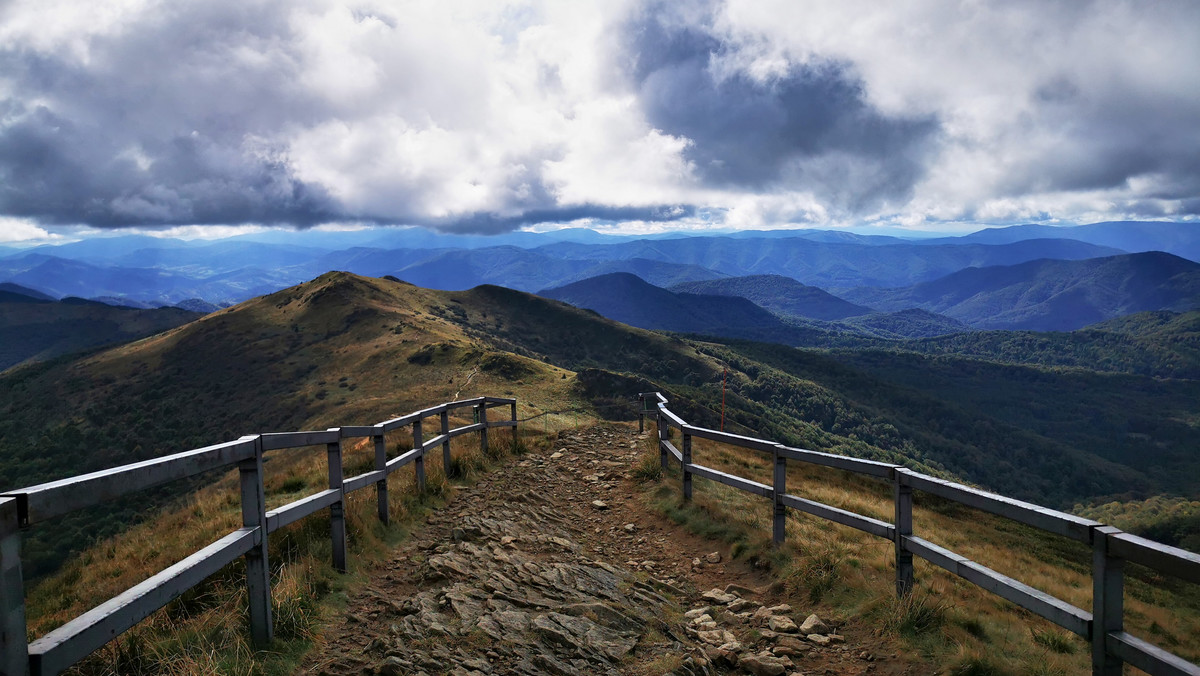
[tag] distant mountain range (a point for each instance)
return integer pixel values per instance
(823, 275)
(1050, 295)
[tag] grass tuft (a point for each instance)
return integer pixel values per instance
(1055, 641)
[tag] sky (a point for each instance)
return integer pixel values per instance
(212, 117)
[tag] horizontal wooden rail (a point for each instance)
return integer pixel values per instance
(864, 523)
(294, 511)
(1172, 561)
(730, 480)
(74, 640)
(882, 470)
(1053, 521)
(1111, 645)
(55, 498)
(277, 440)
(1147, 656)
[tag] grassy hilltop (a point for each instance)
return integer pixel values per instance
(344, 349)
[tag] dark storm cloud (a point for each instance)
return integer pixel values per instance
(156, 128)
(810, 128)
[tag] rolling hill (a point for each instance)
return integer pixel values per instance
(630, 300)
(828, 265)
(38, 328)
(1050, 295)
(781, 295)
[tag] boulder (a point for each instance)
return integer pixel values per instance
(814, 625)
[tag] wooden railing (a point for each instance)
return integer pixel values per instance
(79, 637)
(1112, 646)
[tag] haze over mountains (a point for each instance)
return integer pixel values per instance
(799, 284)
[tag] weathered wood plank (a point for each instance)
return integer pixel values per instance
(939, 556)
(298, 509)
(434, 441)
(1172, 561)
(732, 439)
(864, 523)
(403, 459)
(1148, 657)
(73, 641)
(672, 450)
(272, 441)
(14, 652)
(465, 429)
(44, 501)
(730, 480)
(1053, 521)
(359, 431)
(859, 465)
(671, 419)
(1056, 610)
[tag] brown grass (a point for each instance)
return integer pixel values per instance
(947, 619)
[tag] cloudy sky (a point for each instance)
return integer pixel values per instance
(202, 116)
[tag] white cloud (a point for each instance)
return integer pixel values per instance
(220, 112)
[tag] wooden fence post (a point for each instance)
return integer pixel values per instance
(381, 486)
(483, 433)
(14, 651)
(641, 414)
(445, 420)
(662, 438)
(779, 525)
(1108, 601)
(687, 461)
(337, 510)
(904, 558)
(419, 463)
(258, 571)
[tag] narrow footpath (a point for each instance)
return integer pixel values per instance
(551, 564)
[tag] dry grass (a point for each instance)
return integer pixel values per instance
(947, 620)
(204, 631)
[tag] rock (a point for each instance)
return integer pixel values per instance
(741, 605)
(716, 637)
(556, 455)
(835, 638)
(712, 557)
(700, 619)
(719, 597)
(630, 527)
(697, 612)
(782, 624)
(781, 609)
(814, 625)
(760, 617)
(726, 654)
(599, 504)
(764, 664)
(733, 588)
(392, 666)
(819, 639)
(792, 643)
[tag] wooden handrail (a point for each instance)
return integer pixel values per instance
(79, 637)
(1103, 626)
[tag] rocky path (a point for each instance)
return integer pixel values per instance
(550, 565)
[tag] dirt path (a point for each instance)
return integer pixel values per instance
(525, 573)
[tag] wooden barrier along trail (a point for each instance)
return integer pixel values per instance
(68, 644)
(1103, 626)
